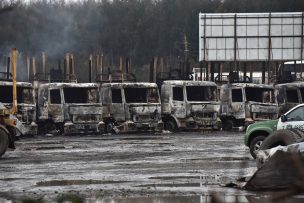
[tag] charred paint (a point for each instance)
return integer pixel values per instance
(244, 103)
(132, 106)
(70, 107)
(190, 104)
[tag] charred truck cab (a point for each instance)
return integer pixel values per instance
(190, 105)
(131, 107)
(245, 103)
(69, 108)
(289, 95)
(289, 88)
(26, 106)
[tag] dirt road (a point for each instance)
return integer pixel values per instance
(103, 168)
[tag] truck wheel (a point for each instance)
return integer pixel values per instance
(281, 137)
(255, 145)
(46, 127)
(109, 125)
(227, 125)
(170, 125)
(3, 142)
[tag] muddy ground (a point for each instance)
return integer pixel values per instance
(182, 167)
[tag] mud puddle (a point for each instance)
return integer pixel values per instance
(173, 199)
(183, 199)
(76, 182)
(209, 198)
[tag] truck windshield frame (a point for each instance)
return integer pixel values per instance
(24, 94)
(259, 94)
(80, 95)
(201, 93)
(141, 95)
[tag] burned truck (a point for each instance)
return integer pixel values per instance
(68, 108)
(131, 107)
(245, 103)
(288, 95)
(289, 88)
(190, 105)
(26, 108)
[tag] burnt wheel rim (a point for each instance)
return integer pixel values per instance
(109, 127)
(170, 126)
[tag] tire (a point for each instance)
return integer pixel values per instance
(227, 125)
(170, 125)
(282, 137)
(46, 127)
(109, 127)
(300, 133)
(4, 141)
(255, 145)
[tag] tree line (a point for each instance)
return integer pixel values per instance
(138, 29)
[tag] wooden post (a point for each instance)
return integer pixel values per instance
(90, 67)
(72, 71)
(97, 66)
(43, 65)
(127, 65)
(161, 66)
(120, 63)
(14, 73)
(155, 69)
(67, 61)
(101, 64)
(28, 66)
(64, 69)
(34, 67)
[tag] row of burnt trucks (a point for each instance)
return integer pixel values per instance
(120, 107)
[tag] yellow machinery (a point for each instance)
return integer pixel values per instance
(8, 120)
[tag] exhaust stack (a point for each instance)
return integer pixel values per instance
(67, 66)
(14, 67)
(90, 67)
(28, 66)
(101, 64)
(43, 65)
(34, 66)
(8, 67)
(72, 70)
(128, 65)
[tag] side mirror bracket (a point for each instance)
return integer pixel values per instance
(283, 118)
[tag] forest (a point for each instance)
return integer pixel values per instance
(137, 29)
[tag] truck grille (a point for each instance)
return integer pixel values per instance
(204, 115)
(264, 116)
(86, 118)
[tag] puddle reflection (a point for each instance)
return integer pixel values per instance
(174, 199)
